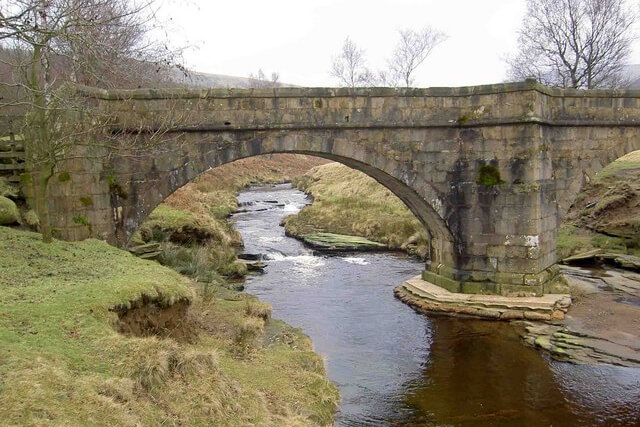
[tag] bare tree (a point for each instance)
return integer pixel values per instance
(259, 80)
(412, 50)
(574, 43)
(350, 66)
(96, 42)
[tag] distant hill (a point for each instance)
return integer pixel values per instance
(198, 79)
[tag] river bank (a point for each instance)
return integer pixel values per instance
(130, 342)
(133, 342)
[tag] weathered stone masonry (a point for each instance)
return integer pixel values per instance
(489, 170)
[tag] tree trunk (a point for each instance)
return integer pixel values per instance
(40, 186)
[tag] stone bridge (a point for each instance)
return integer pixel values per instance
(489, 170)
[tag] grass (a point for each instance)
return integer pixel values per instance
(573, 240)
(349, 202)
(623, 165)
(63, 361)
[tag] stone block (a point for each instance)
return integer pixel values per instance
(497, 251)
(482, 288)
(443, 282)
(509, 278)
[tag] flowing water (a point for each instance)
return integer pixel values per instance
(396, 367)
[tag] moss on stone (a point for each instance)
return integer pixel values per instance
(64, 176)
(31, 218)
(489, 176)
(9, 213)
(8, 189)
(86, 201)
(81, 220)
(115, 188)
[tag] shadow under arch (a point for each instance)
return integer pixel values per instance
(573, 173)
(606, 205)
(441, 240)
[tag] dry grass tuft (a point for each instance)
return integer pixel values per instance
(248, 336)
(258, 309)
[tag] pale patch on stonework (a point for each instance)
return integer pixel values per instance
(437, 206)
(532, 241)
(478, 112)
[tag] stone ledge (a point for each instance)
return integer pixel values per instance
(427, 297)
(332, 92)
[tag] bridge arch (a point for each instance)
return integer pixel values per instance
(163, 177)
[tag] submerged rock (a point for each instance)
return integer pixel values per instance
(253, 265)
(251, 257)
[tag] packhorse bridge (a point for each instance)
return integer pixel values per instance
(489, 170)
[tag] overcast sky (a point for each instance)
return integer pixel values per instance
(299, 38)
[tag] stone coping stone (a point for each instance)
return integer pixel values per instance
(427, 297)
(307, 92)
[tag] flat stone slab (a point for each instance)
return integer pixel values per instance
(427, 297)
(331, 242)
(628, 262)
(577, 347)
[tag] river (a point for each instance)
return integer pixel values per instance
(396, 367)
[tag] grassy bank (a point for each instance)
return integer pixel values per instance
(91, 335)
(606, 214)
(346, 201)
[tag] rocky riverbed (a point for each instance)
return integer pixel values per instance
(602, 325)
